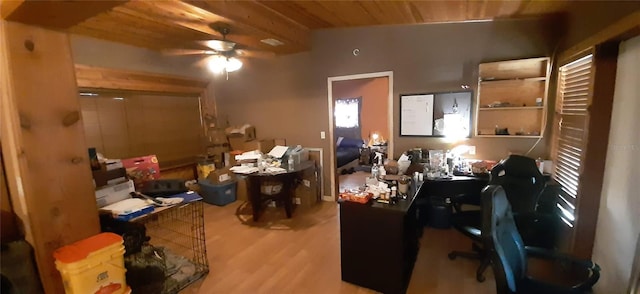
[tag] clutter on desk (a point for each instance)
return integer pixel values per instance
(110, 194)
(130, 208)
(163, 187)
(141, 169)
(356, 196)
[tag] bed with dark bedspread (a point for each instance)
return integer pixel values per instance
(347, 150)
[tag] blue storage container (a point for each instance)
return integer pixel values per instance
(217, 194)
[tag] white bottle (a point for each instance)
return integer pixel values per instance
(382, 172)
(375, 172)
(290, 163)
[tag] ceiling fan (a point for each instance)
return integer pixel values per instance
(224, 54)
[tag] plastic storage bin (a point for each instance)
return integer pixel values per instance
(93, 265)
(217, 194)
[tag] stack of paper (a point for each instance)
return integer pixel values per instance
(275, 170)
(244, 169)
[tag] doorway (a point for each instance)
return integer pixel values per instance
(360, 122)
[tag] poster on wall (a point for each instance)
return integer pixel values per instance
(445, 114)
(416, 115)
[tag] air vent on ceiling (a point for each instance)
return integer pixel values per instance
(272, 42)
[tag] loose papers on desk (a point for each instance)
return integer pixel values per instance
(251, 155)
(240, 169)
(129, 208)
(250, 169)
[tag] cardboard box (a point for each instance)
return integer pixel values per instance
(221, 176)
(307, 193)
(264, 145)
(247, 133)
(237, 143)
(113, 193)
(280, 142)
(141, 169)
(230, 158)
(109, 177)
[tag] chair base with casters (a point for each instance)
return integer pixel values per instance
(509, 256)
(468, 223)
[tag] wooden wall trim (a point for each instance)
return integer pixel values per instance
(595, 152)
(43, 143)
(623, 29)
(119, 79)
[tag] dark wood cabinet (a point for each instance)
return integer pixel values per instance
(379, 244)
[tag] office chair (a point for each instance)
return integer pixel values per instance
(523, 184)
(508, 253)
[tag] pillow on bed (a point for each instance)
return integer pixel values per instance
(349, 142)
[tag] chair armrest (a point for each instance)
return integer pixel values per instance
(589, 265)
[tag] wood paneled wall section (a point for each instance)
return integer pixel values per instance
(117, 79)
(43, 144)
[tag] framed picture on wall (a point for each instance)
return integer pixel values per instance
(446, 114)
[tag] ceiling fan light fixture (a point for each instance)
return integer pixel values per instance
(217, 64)
(220, 64)
(233, 64)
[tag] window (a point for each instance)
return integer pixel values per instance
(127, 124)
(347, 113)
(573, 99)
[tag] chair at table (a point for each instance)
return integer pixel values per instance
(524, 184)
(509, 255)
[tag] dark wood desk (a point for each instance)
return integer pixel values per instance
(288, 180)
(379, 243)
(454, 186)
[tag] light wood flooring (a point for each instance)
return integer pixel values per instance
(302, 255)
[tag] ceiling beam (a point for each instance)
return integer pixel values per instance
(54, 14)
(261, 19)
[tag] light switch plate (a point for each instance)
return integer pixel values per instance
(323, 135)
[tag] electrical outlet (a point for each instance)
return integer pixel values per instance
(272, 204)
(472, 150)
(297, 200)
(306, 183)
(323, 135)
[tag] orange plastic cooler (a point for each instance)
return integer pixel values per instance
(93, 266)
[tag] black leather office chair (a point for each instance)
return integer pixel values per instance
(523, 184)
(509, 255)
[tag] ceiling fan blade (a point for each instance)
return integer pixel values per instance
(219, 45)
(254, 53)
(187, 52)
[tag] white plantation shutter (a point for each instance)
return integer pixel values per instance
(572, 117)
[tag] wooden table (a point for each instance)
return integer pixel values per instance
(288, 180)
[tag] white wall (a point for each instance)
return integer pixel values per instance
(619, 217)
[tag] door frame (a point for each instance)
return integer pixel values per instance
(332, 149)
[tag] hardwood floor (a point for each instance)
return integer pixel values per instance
(302, 255)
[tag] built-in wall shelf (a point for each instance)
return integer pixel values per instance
(508, 136)
(534, 79)
(522, 84)
(512, 108)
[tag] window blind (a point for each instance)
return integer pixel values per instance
(131, 124)
(572, 103)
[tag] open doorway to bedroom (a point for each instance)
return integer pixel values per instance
(360, 112)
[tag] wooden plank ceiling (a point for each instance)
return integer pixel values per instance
(179, 24)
